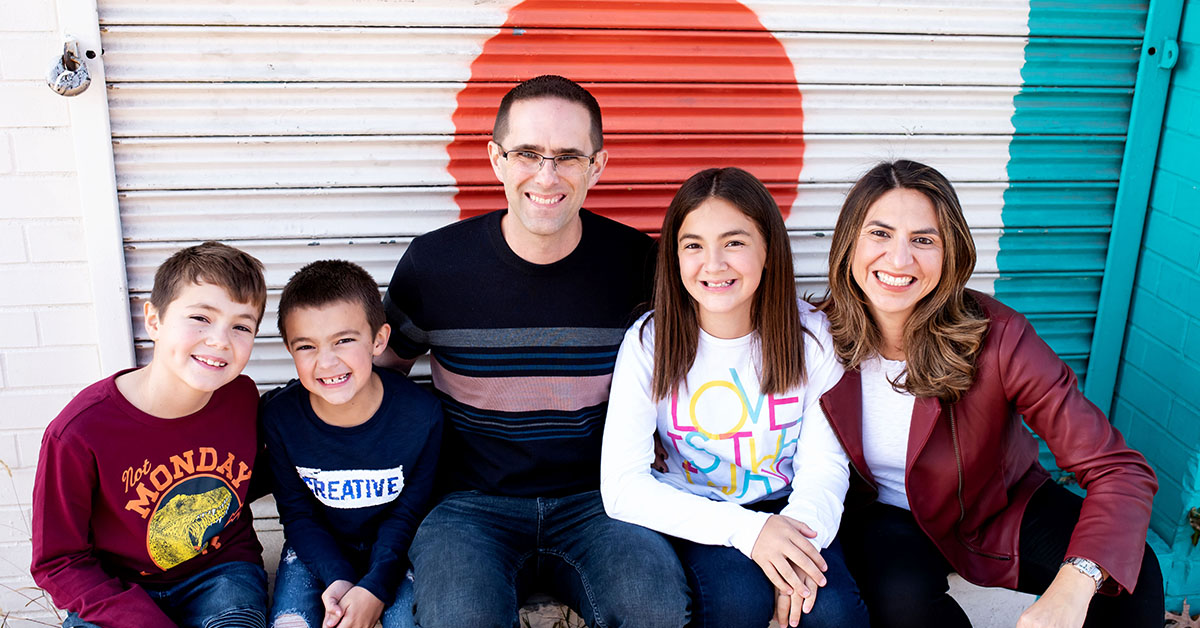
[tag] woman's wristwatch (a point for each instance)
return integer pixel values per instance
(1087, 568)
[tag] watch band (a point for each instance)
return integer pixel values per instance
(1087, 568)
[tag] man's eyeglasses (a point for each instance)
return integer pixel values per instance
(532, 162)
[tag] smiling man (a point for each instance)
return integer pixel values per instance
(523, 311)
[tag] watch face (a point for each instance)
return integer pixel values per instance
(1087, 568)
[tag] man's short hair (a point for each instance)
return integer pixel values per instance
(331, 281)
(238, 272)
(550, 86)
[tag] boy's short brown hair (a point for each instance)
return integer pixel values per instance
(331, 281)
(238, 272)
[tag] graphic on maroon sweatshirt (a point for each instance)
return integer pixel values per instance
(188, 501)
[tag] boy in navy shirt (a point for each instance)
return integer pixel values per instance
(353, 449)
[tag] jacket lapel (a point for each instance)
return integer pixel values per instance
(926, 411)
(843, 405)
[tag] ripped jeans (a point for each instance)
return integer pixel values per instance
(298, 604)
(228, 595)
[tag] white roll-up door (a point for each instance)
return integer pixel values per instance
(343, 128)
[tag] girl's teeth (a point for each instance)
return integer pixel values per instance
(712, 284)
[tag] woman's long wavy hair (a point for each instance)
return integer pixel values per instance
(774, 312)
(945, 332)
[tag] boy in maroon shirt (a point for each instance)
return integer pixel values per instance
(139, 514)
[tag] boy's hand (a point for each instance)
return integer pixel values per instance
(361, 609)
(332, 598)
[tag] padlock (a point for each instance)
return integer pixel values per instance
(69, 76)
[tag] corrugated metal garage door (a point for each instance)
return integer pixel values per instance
(343, 128)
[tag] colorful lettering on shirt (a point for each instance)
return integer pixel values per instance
(697, 438)
(353, 488)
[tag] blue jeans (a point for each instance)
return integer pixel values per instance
(729, 590)
(476, 557)
(229, 595)
(298, 597)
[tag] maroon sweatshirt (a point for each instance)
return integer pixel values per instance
(123, 499)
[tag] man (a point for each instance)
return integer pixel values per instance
(523, 311)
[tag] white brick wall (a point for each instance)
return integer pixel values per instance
(48, 329)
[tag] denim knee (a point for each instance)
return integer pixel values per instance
(239, 617)
(839, 603)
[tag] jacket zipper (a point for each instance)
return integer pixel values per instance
(962, 507)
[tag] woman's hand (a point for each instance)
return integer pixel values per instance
(786, 556)
(1064, 604)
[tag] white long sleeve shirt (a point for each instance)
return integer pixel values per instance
(727, 443)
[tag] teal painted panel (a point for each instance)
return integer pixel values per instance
(1179, 153)
(1065, 158)
(1058, 61)
(1067, 334)
(1052, 250)
(1073, 111)
(1078, 364)
(1047, 293)
(1073, 204)
(1190, 30)
(1081, 18)
(1183, 110)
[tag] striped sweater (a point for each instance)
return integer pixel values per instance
(522, 354)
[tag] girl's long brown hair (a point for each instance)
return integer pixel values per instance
(945, 332)
(773, 312)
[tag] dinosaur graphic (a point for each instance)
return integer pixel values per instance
(178, 529)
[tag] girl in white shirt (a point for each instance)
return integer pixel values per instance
(723, 379)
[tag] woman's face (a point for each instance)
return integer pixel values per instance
(898, 255)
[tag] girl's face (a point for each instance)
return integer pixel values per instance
(721, 258)
(898, 255)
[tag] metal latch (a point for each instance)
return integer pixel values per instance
(69, 76)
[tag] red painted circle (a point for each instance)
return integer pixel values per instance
(683, 86)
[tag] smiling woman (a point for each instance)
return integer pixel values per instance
(937, 381)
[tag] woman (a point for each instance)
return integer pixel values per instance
(937, 378)
(728, 371)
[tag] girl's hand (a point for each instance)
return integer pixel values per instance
(786, 556)
(1063, 605)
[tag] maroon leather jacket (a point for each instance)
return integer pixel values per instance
(972, 466)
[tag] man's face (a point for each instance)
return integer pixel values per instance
(545, 201)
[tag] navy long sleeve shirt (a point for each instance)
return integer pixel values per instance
(350, 498)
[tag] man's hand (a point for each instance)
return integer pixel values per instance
(660, 456)
(1064, 604)
(786, 556)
